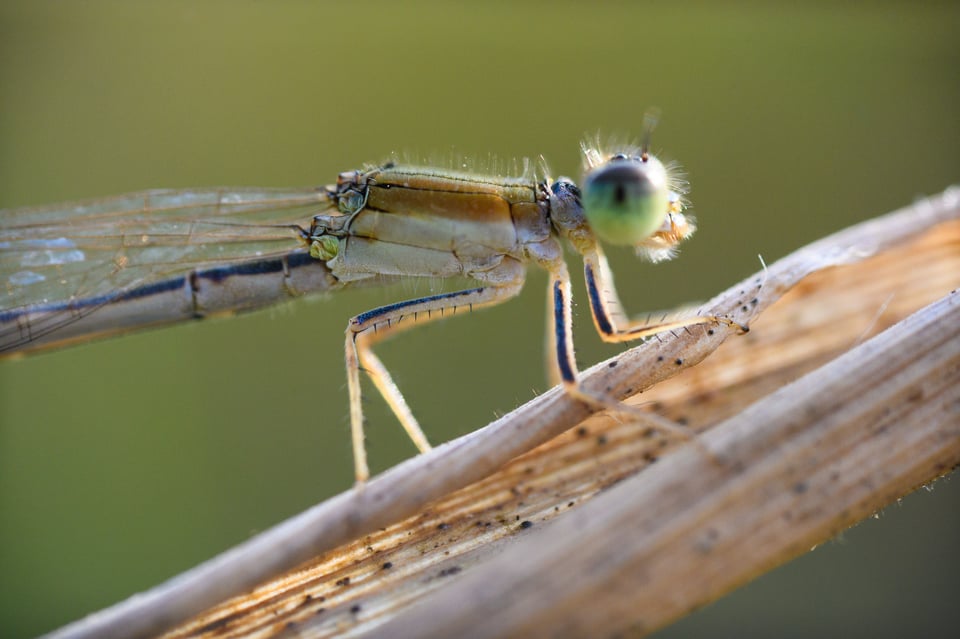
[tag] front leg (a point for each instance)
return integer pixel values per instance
(608, 316)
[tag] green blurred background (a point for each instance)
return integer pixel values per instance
(125, 462)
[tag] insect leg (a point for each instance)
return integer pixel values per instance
(363, 331)
(608, 316)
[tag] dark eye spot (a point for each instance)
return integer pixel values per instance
(619, 195)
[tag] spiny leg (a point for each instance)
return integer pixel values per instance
(366, 329)
(607, 311)
(561, 354)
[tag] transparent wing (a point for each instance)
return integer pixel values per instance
(73, 272)
(100, 247)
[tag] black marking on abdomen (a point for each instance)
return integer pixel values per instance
(191, 282)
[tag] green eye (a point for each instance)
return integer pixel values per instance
(626, 199)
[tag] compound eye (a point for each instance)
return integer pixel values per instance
(626, 199)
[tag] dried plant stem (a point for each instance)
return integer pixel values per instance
(789, 472)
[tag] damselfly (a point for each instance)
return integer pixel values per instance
(77, 271)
